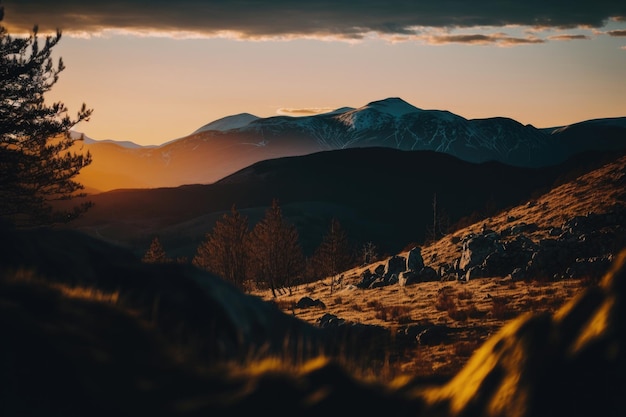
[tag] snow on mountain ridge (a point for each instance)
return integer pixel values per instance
(618, 122)
(235, 121)
(393, 122)
(340, 110)
(123, 143)
(394, 106)
(377, 114)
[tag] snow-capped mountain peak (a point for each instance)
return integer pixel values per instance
(229, 122)
(393, 106)
(340, 110)
(377, 114)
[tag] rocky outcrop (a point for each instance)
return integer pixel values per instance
(399, 270)
(581, 247)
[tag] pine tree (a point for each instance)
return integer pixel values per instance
(37, 166)
(275, 253)
(224, 251)
(334, 254)
(155, 253)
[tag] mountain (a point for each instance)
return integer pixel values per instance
(224, 146)
(382, 195)
(229, 122)
(123, 143)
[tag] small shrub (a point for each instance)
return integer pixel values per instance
(474, 313)
(356, 307)
(375, 304)
(456, 314)
(445, 300)
(500, 309)
(394, 313)
(465, 295)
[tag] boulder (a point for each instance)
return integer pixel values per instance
(414, 260)
(395, 265)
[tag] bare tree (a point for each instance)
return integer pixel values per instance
(440, 224)
(275, 253)
(334, 254)
(224, 251)
(369, 253)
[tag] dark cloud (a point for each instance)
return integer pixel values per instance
(481, 39)
(345, 18)
(617, 32)
(567, 37)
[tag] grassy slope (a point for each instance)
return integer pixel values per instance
(599, 191)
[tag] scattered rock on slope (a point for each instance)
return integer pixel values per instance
(570, 364)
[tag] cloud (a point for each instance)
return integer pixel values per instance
(567, 37)
(616, 32)
(309, 111)
(483, 39)
(346, 19)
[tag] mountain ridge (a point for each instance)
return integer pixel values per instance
(226, 145)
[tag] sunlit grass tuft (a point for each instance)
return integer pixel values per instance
(89, 293)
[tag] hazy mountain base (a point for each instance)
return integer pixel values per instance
(71, 353)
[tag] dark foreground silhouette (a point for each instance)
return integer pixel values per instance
(155, 340)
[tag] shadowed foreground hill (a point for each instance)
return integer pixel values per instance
(90, 330)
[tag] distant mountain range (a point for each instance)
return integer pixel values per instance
(381, 195)
(227, 145)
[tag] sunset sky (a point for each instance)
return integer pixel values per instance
(154, 71)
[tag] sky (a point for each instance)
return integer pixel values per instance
(154, 70)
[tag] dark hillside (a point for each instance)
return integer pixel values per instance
(379, 194)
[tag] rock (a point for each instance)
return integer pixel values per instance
(379, 270)
(414, 261)
(476, 248)
(395, 265)
(329, 320)
(307, 302)
(426, 274)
